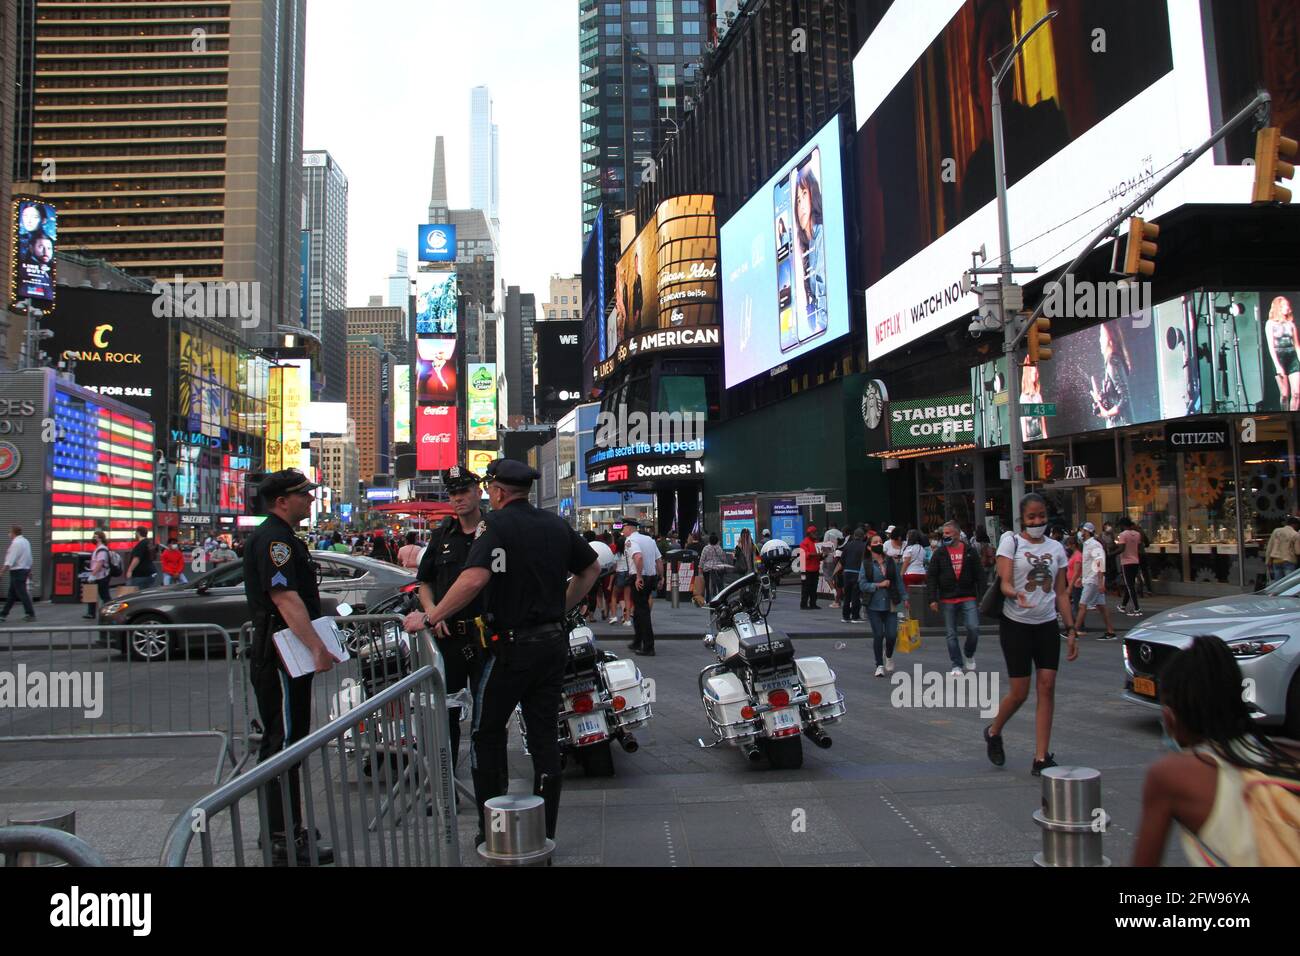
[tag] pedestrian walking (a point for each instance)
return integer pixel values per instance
(1282, 553)
(1092, 578)
(1074, 574)
(140, 572)
(18, 563)
(522, 557)
(1130, 543)
(280, 586)
(811, 569)
(830, 557)
(381, 550)
(408, 555)
(744, 556)
(460, 636)
(173, 562)
(1219, 756)
(645, 564)
(1031, 571)
(713, 563)
(622, 590)
(955, 580)
(99, 573)
(849, 567)
(882, 592)
(912, 561)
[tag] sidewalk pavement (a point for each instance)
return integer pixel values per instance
(688, 621)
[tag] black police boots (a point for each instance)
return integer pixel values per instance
(487, 784)
(548, 786)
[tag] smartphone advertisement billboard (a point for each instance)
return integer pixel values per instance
(435, 431)
(784, 276)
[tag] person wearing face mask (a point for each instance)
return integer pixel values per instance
(1219, 754)
(955, 579)
(1092, 577)
(1031, 570)
(882, 591)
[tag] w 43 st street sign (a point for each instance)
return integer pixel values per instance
(1038, 409)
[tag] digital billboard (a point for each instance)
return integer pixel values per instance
(102, 471)
(785, 281)
(435, 303)
(32, 267)
(435, 431)
(437, 242)
(557, 363)
(481, 401)
(666, 284)
(435, 369)
(593, 300)
(1082, 139)
(402, 404)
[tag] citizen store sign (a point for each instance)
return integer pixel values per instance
(1197, 436)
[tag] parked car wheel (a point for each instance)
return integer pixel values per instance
(147, 642)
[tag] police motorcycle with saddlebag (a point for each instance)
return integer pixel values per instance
(604, 697)
(758, 696)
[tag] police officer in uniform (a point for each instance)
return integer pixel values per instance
(459, 636)
(522, 557)
(280, 584)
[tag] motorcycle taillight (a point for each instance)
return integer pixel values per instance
(582, 704)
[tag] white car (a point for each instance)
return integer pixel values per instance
(1263, 632)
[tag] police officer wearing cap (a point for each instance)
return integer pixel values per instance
(459, 635)
(522, 557)
(280, 584)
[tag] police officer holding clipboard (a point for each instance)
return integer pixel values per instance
(522, 557)
(460, 636)
(281, 587)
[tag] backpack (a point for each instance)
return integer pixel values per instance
(115, 567)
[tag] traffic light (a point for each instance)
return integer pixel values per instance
(1140, 251)
(1270, 165)
(1037, 340)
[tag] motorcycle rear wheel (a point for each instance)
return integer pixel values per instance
(785, 753)
(597, 760)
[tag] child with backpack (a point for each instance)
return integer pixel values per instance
(1234, 792)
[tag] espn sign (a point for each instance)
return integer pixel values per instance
(435, 448)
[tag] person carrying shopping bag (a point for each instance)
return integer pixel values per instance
(882, 592)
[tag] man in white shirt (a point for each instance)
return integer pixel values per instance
(1093, 579)
(1283, 549)
(18, 562)
(645, 563)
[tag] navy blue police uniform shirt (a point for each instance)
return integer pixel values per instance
(531, 554)
(275, 558)
(443, 560)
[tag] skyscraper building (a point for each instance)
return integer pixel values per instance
(516, 334)
(325, 232)
(482, 154)
(386, 321)
(15, 20)
(366, 401)
(398, 291)
(477, 250)
(171, 141)
(566, 299)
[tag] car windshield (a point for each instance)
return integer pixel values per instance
(383, 567)
(1288, 586)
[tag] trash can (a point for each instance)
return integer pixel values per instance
(65, 588)
(684, 563)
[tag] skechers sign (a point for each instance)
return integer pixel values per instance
(438, 242)
(929, 422)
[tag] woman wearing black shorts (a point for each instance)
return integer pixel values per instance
(1032, 569)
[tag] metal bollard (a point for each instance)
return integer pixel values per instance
(55, 819)
(674, 587)
(516, 832)
(1071, 818)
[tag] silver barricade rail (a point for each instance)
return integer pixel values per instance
(71, 849)
(403, 814)
(68, 684)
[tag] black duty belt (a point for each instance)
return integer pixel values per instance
(524, 635)
(465, 627)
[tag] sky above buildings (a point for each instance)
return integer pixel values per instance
(384, 77)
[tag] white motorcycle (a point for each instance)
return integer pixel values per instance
(758, 696)
(604, 698)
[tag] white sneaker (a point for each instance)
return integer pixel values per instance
(970, 664)
(628, 622)
(889, 665)
(880, 671)
(957, 671)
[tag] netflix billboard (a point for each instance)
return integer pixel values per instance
(435, 437)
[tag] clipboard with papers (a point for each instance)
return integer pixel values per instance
(294, 654)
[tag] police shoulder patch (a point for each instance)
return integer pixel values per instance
(280, 553)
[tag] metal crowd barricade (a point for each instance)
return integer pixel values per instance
(179, 694)
(402, 815)
(19, 843)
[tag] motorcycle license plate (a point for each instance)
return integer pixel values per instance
(778, 720)
(589, 725)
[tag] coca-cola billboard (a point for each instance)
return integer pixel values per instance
(435, 437)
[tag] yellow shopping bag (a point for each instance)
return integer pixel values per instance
(909, 635)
